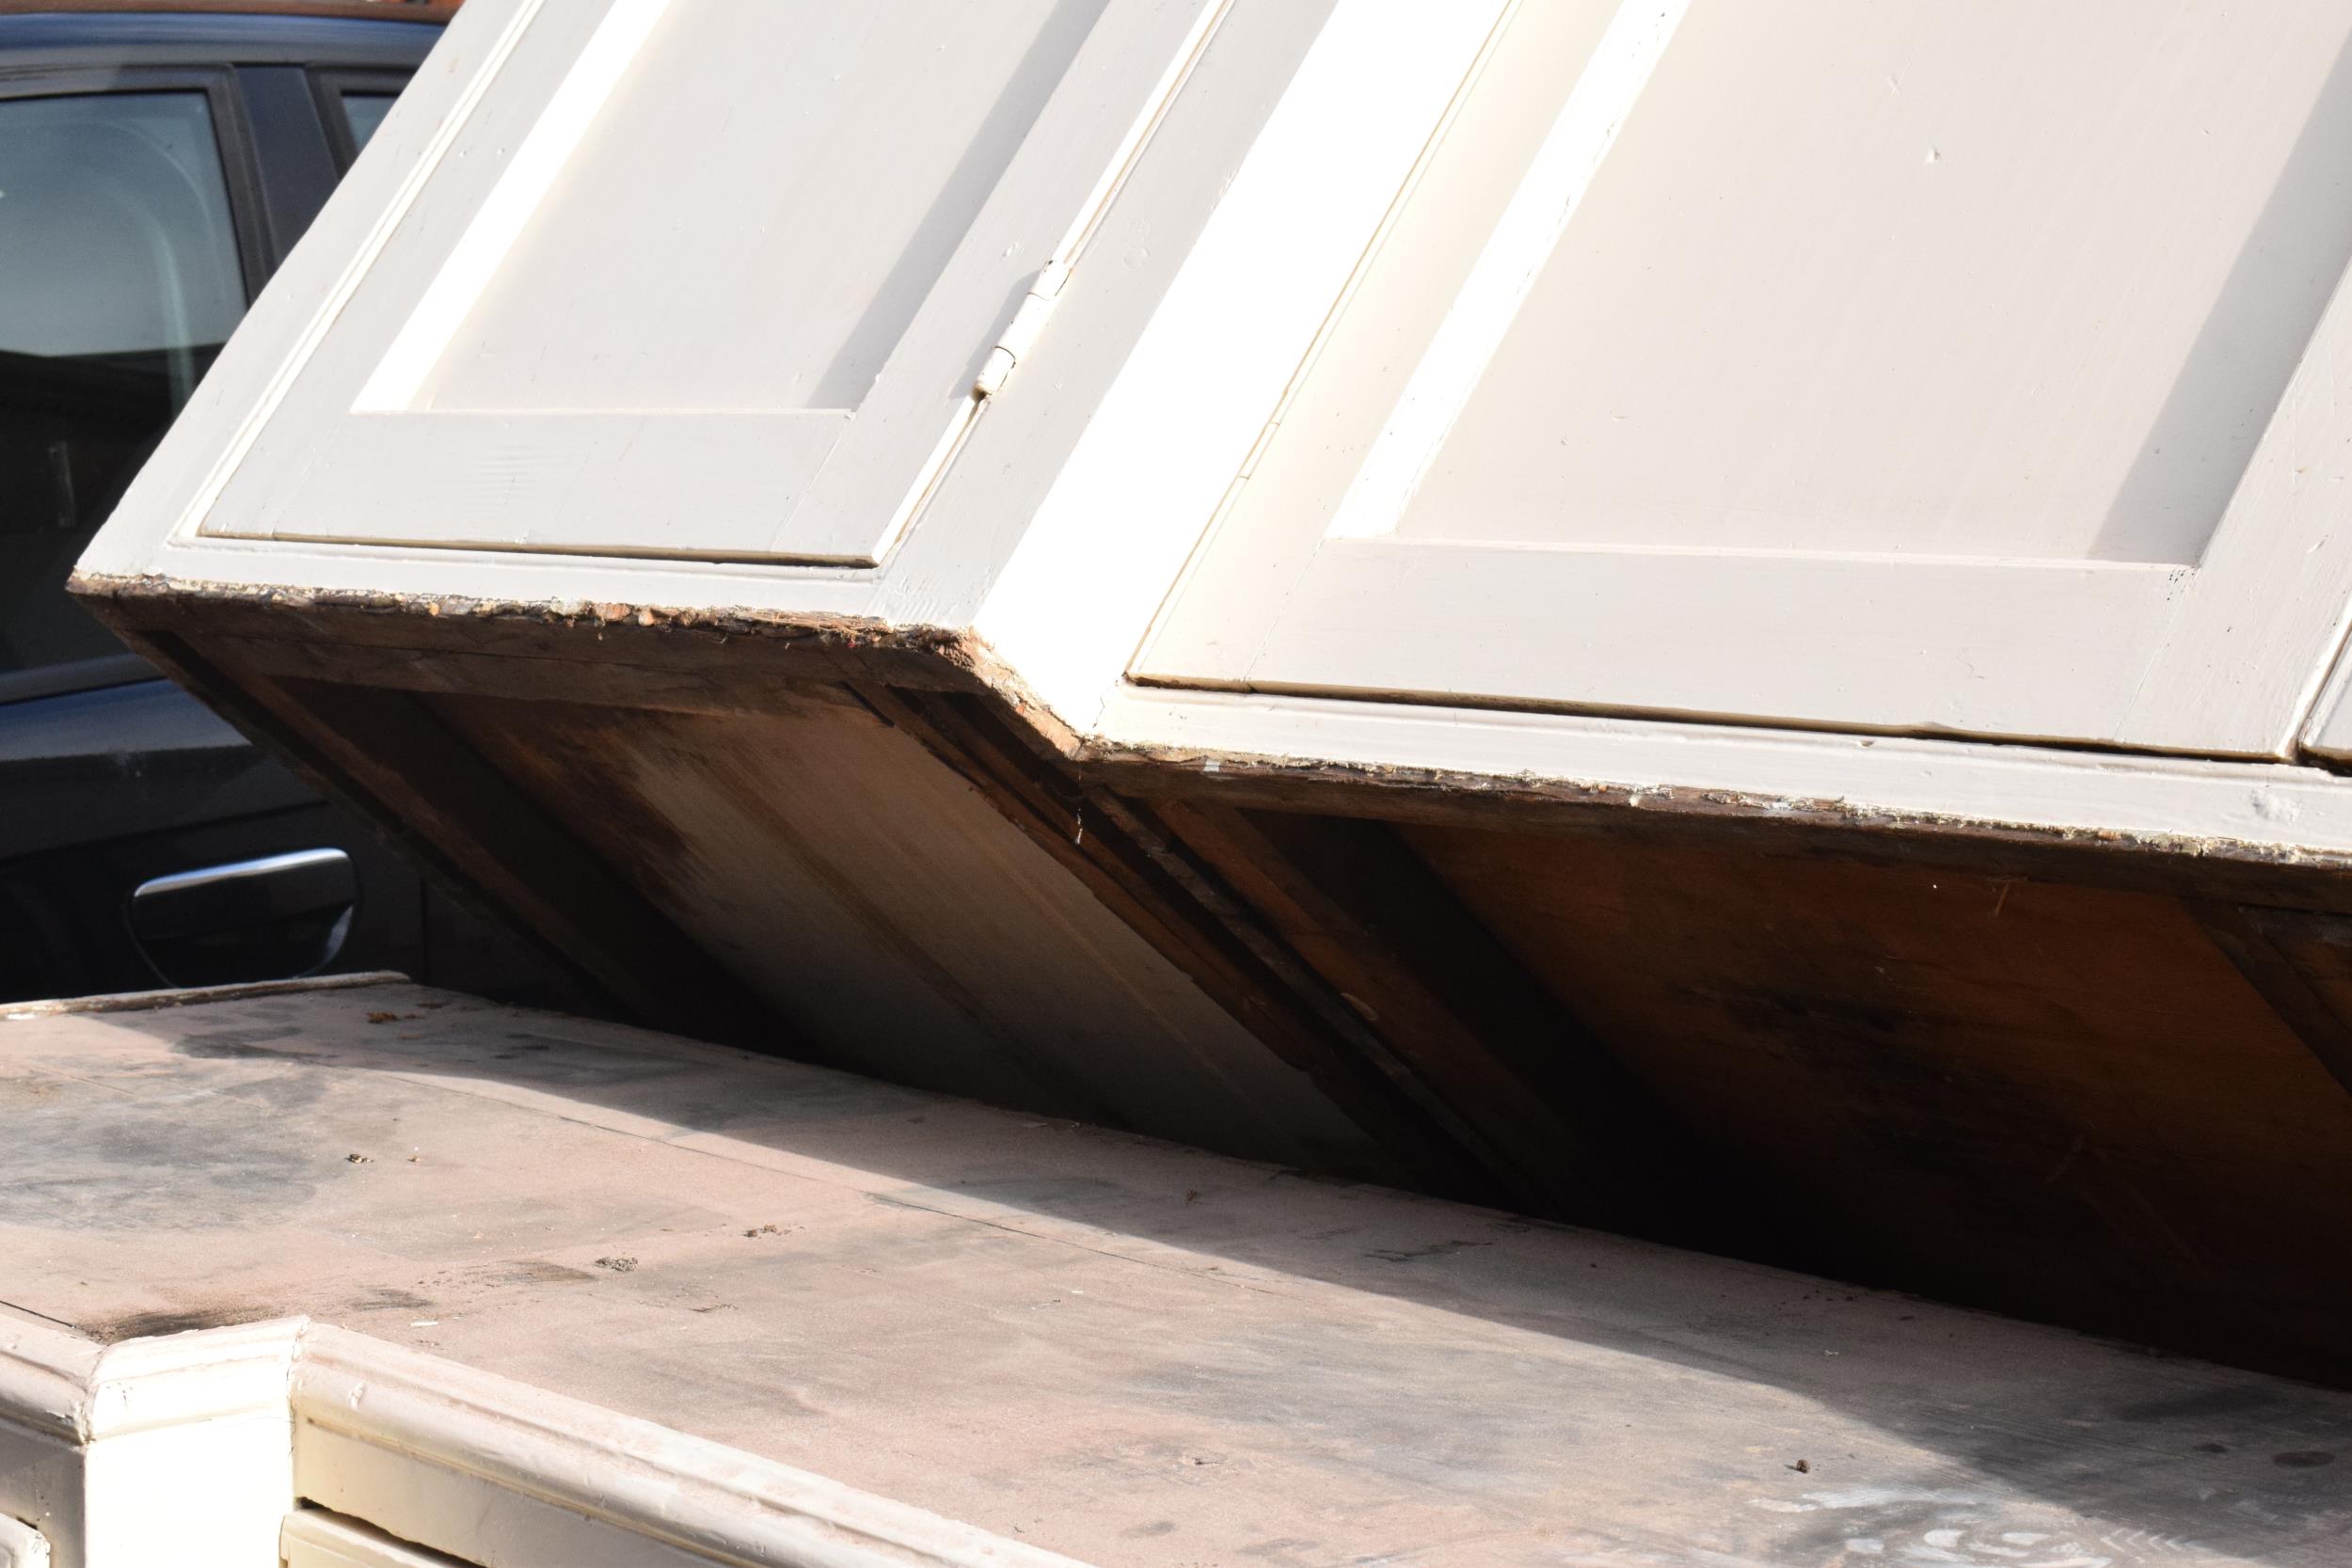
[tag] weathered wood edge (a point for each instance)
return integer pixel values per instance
(158, 1000)
(816, 648)
(585, 920)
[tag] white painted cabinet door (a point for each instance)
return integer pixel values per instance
(707, 278)
(1875, 364)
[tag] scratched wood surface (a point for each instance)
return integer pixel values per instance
(1112, 1347)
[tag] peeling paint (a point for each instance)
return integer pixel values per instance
(973, 663)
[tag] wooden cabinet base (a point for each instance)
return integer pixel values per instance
(1719, 621)
(377, 1276)
(2091, 1079)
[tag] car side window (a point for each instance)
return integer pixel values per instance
(119, 279)
(363, 112)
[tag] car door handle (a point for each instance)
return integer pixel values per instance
(266, 919)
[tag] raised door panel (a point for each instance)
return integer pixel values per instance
(1887, 366)
(704, 278)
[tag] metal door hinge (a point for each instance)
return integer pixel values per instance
(1027, 322)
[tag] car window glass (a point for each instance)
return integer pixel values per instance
(363, 112)
(119, 281)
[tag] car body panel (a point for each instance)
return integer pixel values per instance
(110, 777)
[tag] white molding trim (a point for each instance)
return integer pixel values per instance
(211, 1412)
(2256, 811)
(178, 1380)
(701, 1496)
(188, 1457)
(45, 1376)
(172, 1449)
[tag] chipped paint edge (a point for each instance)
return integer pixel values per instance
(1146, 738)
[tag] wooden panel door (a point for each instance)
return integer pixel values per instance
(1875, 364)
(704, 278)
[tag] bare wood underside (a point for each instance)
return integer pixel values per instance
(2094, 1083)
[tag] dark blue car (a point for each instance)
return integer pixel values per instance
(157, 162)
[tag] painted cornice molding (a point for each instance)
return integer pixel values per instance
(635, 1474)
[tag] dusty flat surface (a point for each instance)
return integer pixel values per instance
(1128, 1351)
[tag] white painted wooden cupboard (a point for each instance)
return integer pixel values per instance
(1837, 367)
(1457, 593)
